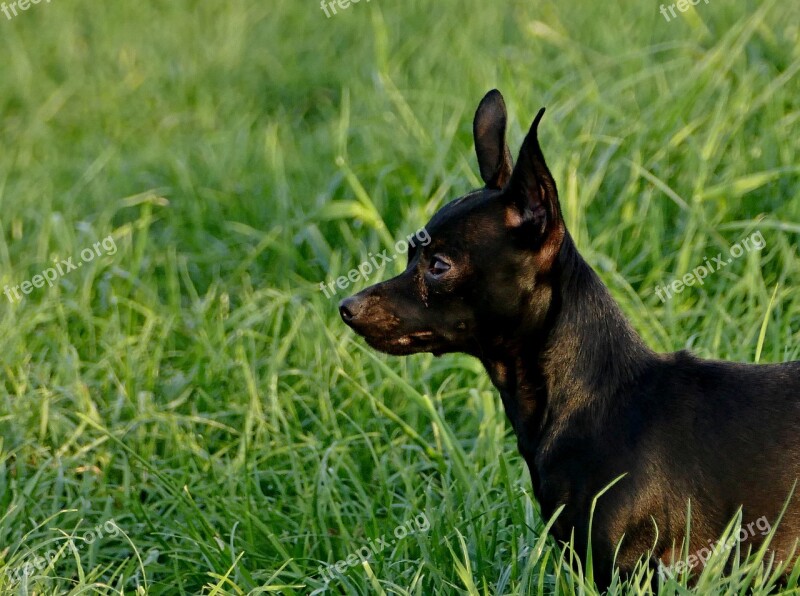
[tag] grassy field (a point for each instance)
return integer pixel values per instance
(186, 414)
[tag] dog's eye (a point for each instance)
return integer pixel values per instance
(438, 267)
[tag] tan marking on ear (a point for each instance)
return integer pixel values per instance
(549, 250)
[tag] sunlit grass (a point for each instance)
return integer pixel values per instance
(197, 387)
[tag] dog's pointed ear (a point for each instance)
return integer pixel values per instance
(531, 191)
(489, 130)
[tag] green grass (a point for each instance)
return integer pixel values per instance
(199, 391)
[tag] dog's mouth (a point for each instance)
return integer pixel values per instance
(409, 343)
(412, 338)
(404, 331)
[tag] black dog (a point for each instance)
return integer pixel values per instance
(501, 280)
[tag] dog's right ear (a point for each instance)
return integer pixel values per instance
(489, 130)
(533, 197)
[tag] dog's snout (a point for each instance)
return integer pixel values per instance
(349, 308)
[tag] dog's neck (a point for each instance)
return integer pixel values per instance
(582, 359)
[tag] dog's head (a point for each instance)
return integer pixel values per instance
(485, 274)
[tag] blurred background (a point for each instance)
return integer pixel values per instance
(196, 388)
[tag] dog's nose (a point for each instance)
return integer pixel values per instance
(349, 309)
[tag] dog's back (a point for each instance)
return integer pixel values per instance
(730, 435)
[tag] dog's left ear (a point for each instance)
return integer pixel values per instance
(531, 191)
(489, 130)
